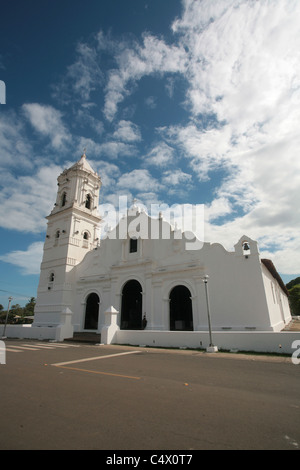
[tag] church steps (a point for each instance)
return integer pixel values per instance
(85, 337)
(294, 325)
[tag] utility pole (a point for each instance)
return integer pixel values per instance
(211, 348)
(8, 308)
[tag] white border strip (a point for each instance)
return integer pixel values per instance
(95, 358)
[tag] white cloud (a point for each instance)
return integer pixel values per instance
(151, 102)
(82, 77)
(134, 62)
(176, 177)
(160, 155)
(91, 147)
(116, 149)
(28, 261)
(244, 58)
(138, 180)
(111, 149)
(147, 198)
(127, 132)
(285, 257)
(217, 208)
(28, 199)
(208, 150)
(47, 121)
(15, 147)
(109, 174)
(243, 74)
(85, 74)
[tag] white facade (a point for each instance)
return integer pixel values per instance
(152, 278)
(240, 287)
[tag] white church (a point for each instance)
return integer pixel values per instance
(142, 290)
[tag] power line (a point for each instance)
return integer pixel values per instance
(23, 296)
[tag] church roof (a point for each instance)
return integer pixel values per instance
(271, 268)
(83, 164)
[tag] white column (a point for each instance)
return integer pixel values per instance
(108, 332)
(158, 321)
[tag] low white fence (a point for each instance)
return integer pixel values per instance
(59, 332)
(258, 341)
(28, 332)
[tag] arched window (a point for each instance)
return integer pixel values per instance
(133, 245)
(91, 312)
(181, 311)
(85, 236)
(57, 235)
(51, 277)
(131, 309)
(63, 199)
(88, 201)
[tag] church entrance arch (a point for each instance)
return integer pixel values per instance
(181, 310)
(91, 312)
(131, 308)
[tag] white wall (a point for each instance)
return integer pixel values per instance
(60, 332)
(236, 288)
(259, 341)
(278, 303)
(28, 332)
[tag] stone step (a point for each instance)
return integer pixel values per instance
(294, 325)
(85, 337)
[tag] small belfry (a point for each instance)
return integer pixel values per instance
(73, 230)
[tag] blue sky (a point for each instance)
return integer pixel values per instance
(175, 101)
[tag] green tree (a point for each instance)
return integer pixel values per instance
(29, 310)
(2, 315)
(294, 299)
(15, 312)
(29, 307)
(293, 283)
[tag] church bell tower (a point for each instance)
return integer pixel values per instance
(73, 230)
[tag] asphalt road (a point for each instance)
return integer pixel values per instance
(114, 398)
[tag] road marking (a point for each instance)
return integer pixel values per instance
(10, 350)
(39, 346)
(97, 372)
(94, 358)
(50, 345)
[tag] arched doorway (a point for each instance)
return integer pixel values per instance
(181, 311)
(131, 309)
(92, 312)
